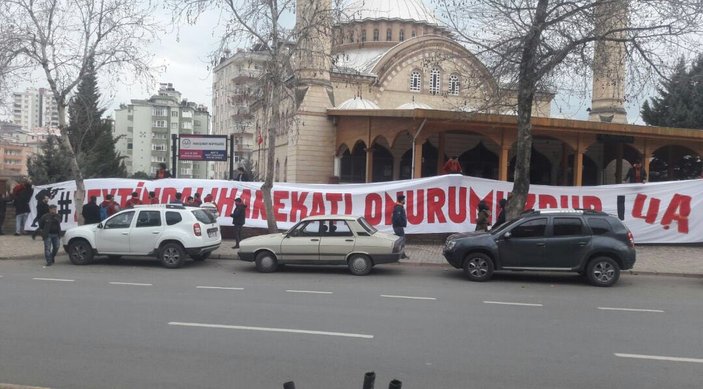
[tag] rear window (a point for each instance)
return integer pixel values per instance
(204, 216)
(366, 226)
(599, 226)
(617, 226)
(567, 226)
(173, 218)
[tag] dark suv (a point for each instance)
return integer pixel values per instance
(591, 243)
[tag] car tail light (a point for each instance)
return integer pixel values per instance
(631, 238)
(196, 229)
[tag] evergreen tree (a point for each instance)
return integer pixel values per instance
(680, 100)
(90, 135)
(49, 166)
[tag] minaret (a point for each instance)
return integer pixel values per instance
(311, 145)
(608, 101)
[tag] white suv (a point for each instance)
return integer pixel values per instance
(165, 231)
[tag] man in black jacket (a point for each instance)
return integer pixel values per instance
(400, 220)
(238, 219)
(4, 199)
(91, 211)
(50, 226)
(42, 209)
(22, 193)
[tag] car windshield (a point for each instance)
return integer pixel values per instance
(503, 226)
(365, 225)
(204, 216)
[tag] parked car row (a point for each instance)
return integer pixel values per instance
(590, 243)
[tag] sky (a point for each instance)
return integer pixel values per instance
(184, 57)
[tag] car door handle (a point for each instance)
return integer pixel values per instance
(540, 244)
(155, 232)
(348, 240)
(314, 240)
(125, 233)
(581, 244)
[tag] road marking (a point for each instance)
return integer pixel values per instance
(659, 358)
(393, 296)
(307, 291)
(509, 303)
(53, 279)
(129, 283)
(218, 287)
(630, 309)
(266, 329)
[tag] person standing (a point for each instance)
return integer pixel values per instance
(134, 200)
(50, 226)
(196, 200)
(162, 172)
(4, 199)
(636, 174)
(177, 200)
(22, 193)
(42, 209)
(91, 211)
(152, 198)
(108, 207)
(501, 214)
(400, 221)
(238, 220)
(240, 175)
(190, 201)
(208, 198)
(452, 166)
(483, 217)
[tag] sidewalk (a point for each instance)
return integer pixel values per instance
(677, 260)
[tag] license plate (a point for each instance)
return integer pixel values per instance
(212, 232)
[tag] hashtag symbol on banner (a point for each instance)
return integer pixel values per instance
(65, 206)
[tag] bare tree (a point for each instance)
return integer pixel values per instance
(533, 44)
(61, 37)
(266, 25)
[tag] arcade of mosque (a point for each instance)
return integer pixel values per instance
(402, 97)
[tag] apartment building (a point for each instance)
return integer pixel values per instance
(35, 108)
(235, 87)
(145, 128)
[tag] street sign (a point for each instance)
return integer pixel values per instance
(193, 147)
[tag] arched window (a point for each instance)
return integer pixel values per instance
(363, 35)
(277, 171)
(285, 170)
(351, 36)
(435, 81)
(401, 35)
(454, 85)
(389, 34)
(415, 80)
(375, 34)
(413, 34)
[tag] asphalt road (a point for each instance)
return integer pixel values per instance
(220, 324)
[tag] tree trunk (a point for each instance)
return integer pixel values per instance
(272, 124)
(526, 94)
(79, 196)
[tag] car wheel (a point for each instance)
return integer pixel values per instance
(172, 255)
(359, 265)
(266, 262)
(200, 257)
(478, 267)
(80, 252)
(603, 271)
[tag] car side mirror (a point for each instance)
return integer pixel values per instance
(100, 225)
(507, 235)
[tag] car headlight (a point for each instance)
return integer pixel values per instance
(449, 245)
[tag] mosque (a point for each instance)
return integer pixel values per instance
(396, 96)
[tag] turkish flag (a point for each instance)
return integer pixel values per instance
(260, 140)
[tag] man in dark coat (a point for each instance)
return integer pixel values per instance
(238, 219)
(91, 211)
(42, 209)
(4, 199)
(22, 193)
(636, 174)
(501, 213)
(400, 220)
(50, 226)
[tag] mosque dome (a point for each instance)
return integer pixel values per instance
(401, 10)
(414, 105)
(358, 103)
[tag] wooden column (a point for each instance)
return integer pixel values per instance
(647, 152)
(578, 162)
(418, 160)
(440, 153)
(503, 163)
(369, 164)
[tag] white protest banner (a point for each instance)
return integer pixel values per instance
(663, 212)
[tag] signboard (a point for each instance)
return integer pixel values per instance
(202, 148)
(659, 212)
